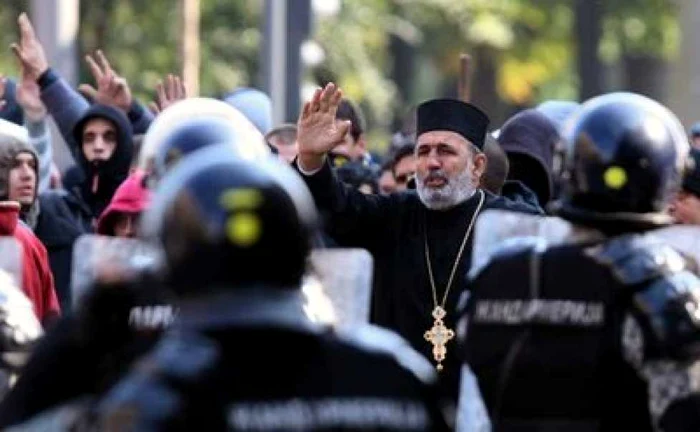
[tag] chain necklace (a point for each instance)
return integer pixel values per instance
(439, 334)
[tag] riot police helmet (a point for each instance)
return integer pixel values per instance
(223, 221)
(626, 156)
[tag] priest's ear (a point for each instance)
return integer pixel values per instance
(479, 161)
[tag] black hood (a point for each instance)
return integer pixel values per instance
(114, 171)
(529, 139)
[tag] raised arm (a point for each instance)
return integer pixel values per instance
(63, 103)
(354, 219)
(113, 89)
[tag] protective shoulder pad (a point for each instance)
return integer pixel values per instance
(150, 392)
(379, 340)
(635, 259)
(510, 247)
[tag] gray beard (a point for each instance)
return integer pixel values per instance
(455, 191)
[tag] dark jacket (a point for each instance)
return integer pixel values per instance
(551, 341)
(394, 229)
(62, 219)
(110, 174)
(518, 192)
(87, 351)
(340, 381)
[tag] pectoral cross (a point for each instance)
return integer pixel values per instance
(439, 335)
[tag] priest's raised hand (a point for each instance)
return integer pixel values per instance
(318, 131)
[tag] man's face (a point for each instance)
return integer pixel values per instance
(387, 183)
(685, 208)
(125, 225)
(447, 170)
(404, 169)
(99, 140)
(22, 179)
(287, 148)
(351, 149)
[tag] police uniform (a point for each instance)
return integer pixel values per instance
(243, 355)
(599, 334)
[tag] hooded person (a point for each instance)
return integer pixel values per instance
(254, 104)
(120, 218)
(529, 139)
(57, 218)
(104, 152)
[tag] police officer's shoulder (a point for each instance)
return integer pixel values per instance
(383, 342)
(149, 396)
(635, 259)
(521, 205)
(509, 248)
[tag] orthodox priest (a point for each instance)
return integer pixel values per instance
(420, 240)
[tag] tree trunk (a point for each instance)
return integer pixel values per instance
(588, 33)
(402, 73)
(484, 92)
(647, 75)
(189, 45)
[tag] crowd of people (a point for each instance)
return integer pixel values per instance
(482, 317)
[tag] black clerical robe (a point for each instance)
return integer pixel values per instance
(392, 228)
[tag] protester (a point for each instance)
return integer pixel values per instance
(529, 140)
(404, 166)
(496, 166)
(420, 241)
(358, 176)
(355, 146)
(37, 281)
(254, 104)
(284, 139)
(685, 207)
(121, 217)
(387, 182)
(695, 135)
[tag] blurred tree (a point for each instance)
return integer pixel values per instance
(642, 35)
(142, 39)
(9, 12)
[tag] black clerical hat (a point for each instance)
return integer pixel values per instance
(453, 115)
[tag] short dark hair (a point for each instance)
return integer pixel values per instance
(400, 153)
(349, 111)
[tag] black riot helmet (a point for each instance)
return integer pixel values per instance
(188, 136)
(626, 155)
(192, 124)
(225, 222)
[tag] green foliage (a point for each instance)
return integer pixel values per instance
(142, 39)
(640, 27)
(531, 42)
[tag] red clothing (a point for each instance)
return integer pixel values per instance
(37, 279)
(131, 197)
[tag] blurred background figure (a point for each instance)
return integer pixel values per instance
(695, 135)
(254, 104)
(284, 139)
(358, 176)
(386, 181)
(685, 207)
(122, 215)
(529, 139)
(404, 167)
